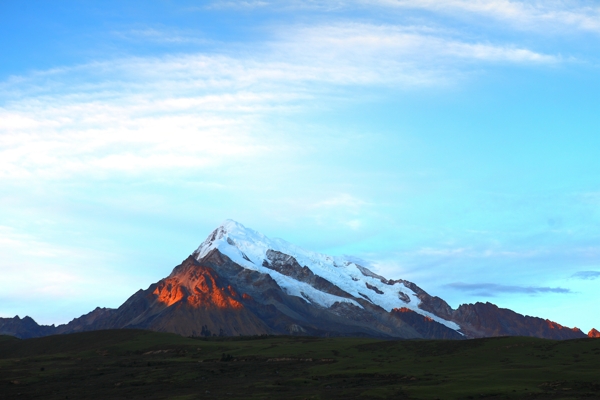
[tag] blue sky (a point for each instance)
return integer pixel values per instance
(452, 143)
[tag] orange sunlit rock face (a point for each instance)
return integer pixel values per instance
(169, 293)
(198, 287)
(554, 325)
(402, 309)
(594, 333)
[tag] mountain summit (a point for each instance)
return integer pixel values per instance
(319, 279)
(240, 282)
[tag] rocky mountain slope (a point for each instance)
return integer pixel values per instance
(239, 282)
(24, 328)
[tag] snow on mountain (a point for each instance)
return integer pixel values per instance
(248, 248)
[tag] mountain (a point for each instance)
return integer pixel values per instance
(239, 282)
(24, 328)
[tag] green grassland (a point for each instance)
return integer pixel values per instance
(120, 364)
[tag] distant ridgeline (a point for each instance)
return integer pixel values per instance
(239, 282)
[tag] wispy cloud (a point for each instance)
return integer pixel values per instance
(193, 112)
(91, 139)
(323, 5)
(541, 16)
(586, 275)
(497, 251)
(180, 120)
(492, 289)
(159, 35)
(368, 53)
(240, 4)
(522, 15)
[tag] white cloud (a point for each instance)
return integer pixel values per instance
(192, 112)
(289, 5)
(542, 16)
(523, 15)
(367, 54)
(61, 137)
(161, 36)
(240, 4)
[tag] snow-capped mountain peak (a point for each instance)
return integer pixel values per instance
(253, 250)
(240, 282)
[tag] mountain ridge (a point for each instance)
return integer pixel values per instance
(240, 282)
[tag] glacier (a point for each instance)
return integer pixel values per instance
(248, 248)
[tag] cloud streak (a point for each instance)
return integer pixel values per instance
(586, 275)
(368, 53)
(522, 15)
(159, 36)
(492, 289)
(541, 16)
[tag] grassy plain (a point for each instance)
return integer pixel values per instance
(121, 364)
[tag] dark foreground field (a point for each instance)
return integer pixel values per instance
(121, 364)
